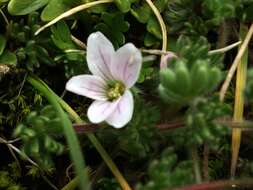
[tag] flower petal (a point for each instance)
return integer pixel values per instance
(126, 64)
(100, 110)
(123, 112)
(99, 54)
(90, 86)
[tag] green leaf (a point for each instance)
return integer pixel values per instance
(112, 30)
(3, 1)
(150, 40)
(61, 36)
(142, 14)
(123, 5)
(8, 58)
(161, 4)
(54, 9)
(23, 7)
(2, 44)
(154, 28)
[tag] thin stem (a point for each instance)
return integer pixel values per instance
(245, 125)
(223, 34)
(22, 85)
(237, 60)
(196, 168)
(217, 185)
(82, 52)
(68, 170)
(13, 141)
(71, 12)
(18, 151)
(156, 51)
(23, 155)
(224, 49)
(211, 52)
(5, 18)
(49, 182)
(78, 42)
(162, 24)
(15, 158)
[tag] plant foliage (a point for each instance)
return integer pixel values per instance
(176, 108)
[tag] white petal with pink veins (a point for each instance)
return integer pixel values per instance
(90, 86)
(99, 54)
(126, 64)
(100, 110)
(123, 112)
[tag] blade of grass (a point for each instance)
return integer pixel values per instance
(94, 141)
(239, 102)
(237, 59)
(75, 150)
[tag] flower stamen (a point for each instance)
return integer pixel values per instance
(115, 90)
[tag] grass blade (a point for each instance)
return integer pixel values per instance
(239, 102)
(75, 150)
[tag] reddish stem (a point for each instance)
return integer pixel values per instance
(217, 185)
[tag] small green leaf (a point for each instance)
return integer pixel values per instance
(161, 4)
(61, 36)
(35, 146)
(2, 44)
(54, 9)
(8, 58)
(150, 40)
(112, 30)
(142, 14)
(154, 28)
(23, 7)
(123, 5)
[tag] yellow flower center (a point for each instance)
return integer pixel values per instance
(115, 90)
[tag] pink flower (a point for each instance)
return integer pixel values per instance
(114, 73)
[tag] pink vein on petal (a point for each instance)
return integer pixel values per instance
(104, 61)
